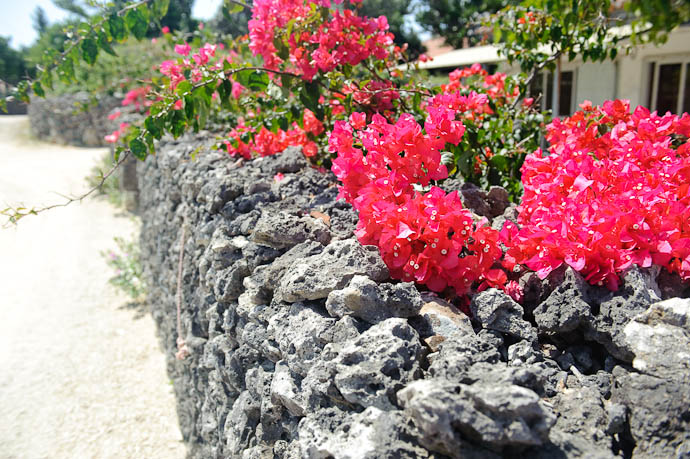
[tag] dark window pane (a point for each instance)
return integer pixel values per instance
(686, 96)
(565, 94)
(650, 88)
(667, 92)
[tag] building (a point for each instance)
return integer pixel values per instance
(657, 77)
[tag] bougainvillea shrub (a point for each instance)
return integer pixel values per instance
(612, 191)
(423, 233)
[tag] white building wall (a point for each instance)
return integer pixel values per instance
(633, 70)
(595, 82)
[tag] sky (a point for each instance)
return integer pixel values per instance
(15, 20)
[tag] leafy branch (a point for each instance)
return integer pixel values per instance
(93, 36)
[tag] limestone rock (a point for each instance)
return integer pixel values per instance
(284, 230)
(497, 311)
(372, 302)
(332, 269)
(452, 416)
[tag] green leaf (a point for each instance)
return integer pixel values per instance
(117, 28)
(231, 7)
(183, 88)
(252, 79)
(499, 162)
(152, 125)
(104, 44)
(118, 151)
(160, 8)
(3, 105)
(48, 80)
(89, 49)
(309, 95)
(138, 148)
(38, 89)
(136, 23)
(66, 71)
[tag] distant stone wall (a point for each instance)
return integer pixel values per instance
(60, 119)
(15, 108)
(301, 346)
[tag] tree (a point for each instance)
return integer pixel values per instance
(455, 20)
(72, 6)
(234, 24)
(13, 68)
(40, 21)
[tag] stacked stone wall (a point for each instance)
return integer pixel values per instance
(300, 345)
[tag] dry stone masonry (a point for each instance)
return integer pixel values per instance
(73, 119)
(302, 346)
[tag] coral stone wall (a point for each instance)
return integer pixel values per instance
(301, 346)
(61, 120)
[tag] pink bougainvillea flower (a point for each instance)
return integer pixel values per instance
(183, 49)
(612, 192)
(113, 137)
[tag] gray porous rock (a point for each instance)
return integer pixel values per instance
(658, 412)
(371, 434)
(580, 428)
(495, 310)
(567, 307)
(300, 331)
(524, 352)
(637, 292)
(290, 160)
(660, 339)
(317, 276)
(475, 199)
(452, 417)
(282, 230)
(439, 321)
(474, 358)
(266, 278)
(373, 302)
(456, 356)
(370, 369)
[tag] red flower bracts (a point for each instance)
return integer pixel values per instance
(345, 38)
(426, 237)
(613, 191)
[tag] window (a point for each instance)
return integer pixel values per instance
(565, 92)
(669, 86)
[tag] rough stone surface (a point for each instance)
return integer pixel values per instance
(497, 311)
(438, 321)
(566, 307)
(372, 302)
(332, 269)
(453, 416)
(637, 292)
(61, 119)
(302, 347)
(660, 338)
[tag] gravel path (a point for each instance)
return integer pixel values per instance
(81, 375)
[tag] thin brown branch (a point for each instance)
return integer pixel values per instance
(534, 73)
(15, 214)
(238, 2)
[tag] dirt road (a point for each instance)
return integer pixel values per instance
(81, 375)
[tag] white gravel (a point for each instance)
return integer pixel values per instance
(81, 375)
